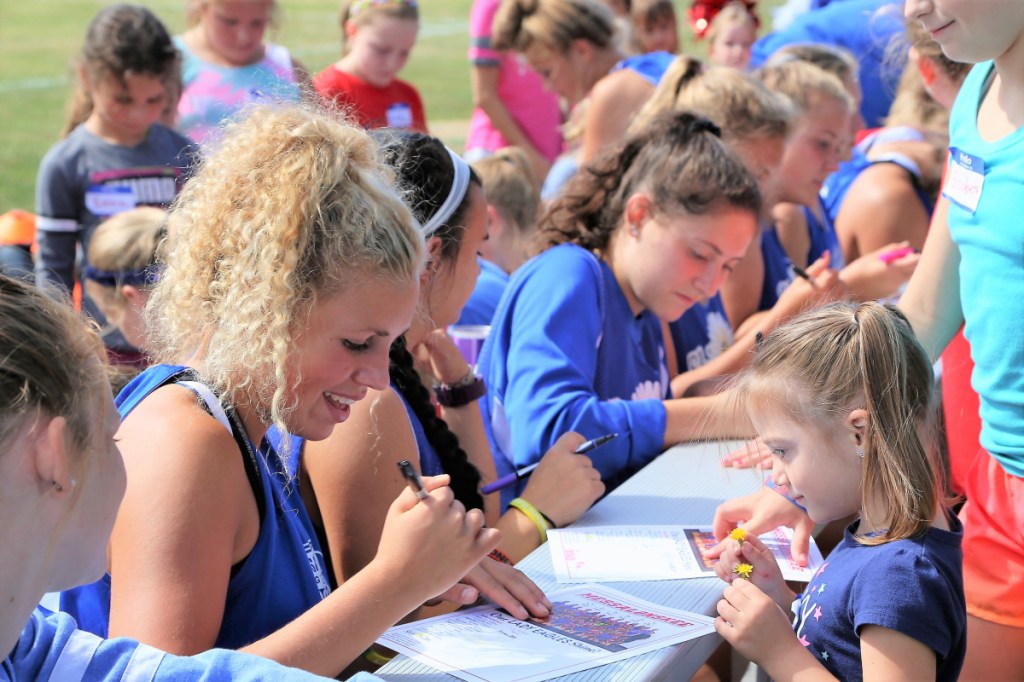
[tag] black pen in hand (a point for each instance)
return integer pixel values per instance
(413, 479)
(509, 479)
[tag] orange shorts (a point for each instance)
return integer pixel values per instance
(993, 519)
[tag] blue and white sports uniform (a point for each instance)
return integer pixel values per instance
(701, 334)
(778, 268)
(823, 237)
(566, 353)
(838, 184)
(284, 575)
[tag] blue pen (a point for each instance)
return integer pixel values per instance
(506, 481)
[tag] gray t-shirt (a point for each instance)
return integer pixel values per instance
(84, 180)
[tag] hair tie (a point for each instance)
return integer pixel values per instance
(703, 125)
(694, 68)
(460, 183)
(148, 276)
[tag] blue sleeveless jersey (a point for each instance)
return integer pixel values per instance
(701, 334)
(284, 575)
(778, 269)
(838, 184)
(823, 236)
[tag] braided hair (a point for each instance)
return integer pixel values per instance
(425, 175)
(465, 477)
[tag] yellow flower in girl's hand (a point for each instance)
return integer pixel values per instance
(739, 535)
(743, 570)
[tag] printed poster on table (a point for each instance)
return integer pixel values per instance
(632, 553)
(589, 626)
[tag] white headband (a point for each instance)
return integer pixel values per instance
(458, 190)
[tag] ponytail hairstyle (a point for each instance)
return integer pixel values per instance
(426, 173)
(845, 356)
(678, 159)
(733, 100)
(555, 24)
(293, 205)
(365, 12)
(122, 39)
(511, 187)
(51, 365)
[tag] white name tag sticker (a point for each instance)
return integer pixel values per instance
(964, 180)
(107, 200)
(399, 116)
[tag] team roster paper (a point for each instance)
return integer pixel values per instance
(590, 625)
(630, 553)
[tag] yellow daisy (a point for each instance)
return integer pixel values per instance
(743, 570)
(739, 535)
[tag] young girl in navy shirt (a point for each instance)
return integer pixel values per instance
(843, 397)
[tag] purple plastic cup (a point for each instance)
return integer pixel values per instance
(469, 338)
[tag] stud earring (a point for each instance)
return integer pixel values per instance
(860, 453)
(633, 229)
(58, 487)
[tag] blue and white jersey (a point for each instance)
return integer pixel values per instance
(566, 353)
(282, 577)
(701, 334)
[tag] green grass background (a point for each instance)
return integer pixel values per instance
(39, 38)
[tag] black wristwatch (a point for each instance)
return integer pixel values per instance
(471, 388)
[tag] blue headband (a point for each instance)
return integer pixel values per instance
(148, 276)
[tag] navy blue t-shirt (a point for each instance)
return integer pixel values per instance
(912, 586)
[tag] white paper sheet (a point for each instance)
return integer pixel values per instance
(590, 625)
(631, 553)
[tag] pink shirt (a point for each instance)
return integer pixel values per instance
(534, 108)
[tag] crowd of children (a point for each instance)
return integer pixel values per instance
(660, 246)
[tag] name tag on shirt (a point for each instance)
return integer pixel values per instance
(965, 179)
(107, 200)
(399, 115)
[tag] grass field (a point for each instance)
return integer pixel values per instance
(38, 39)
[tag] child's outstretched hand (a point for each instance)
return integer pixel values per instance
(761, 512)
(750, 560)
(756, 626)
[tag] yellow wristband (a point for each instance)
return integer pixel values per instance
(534, 515)
(375, 658)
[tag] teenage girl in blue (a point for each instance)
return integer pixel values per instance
(354, 472)
(279, 310)
(844, 398)
(61, 481)
(576, 343)
(115, 155)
